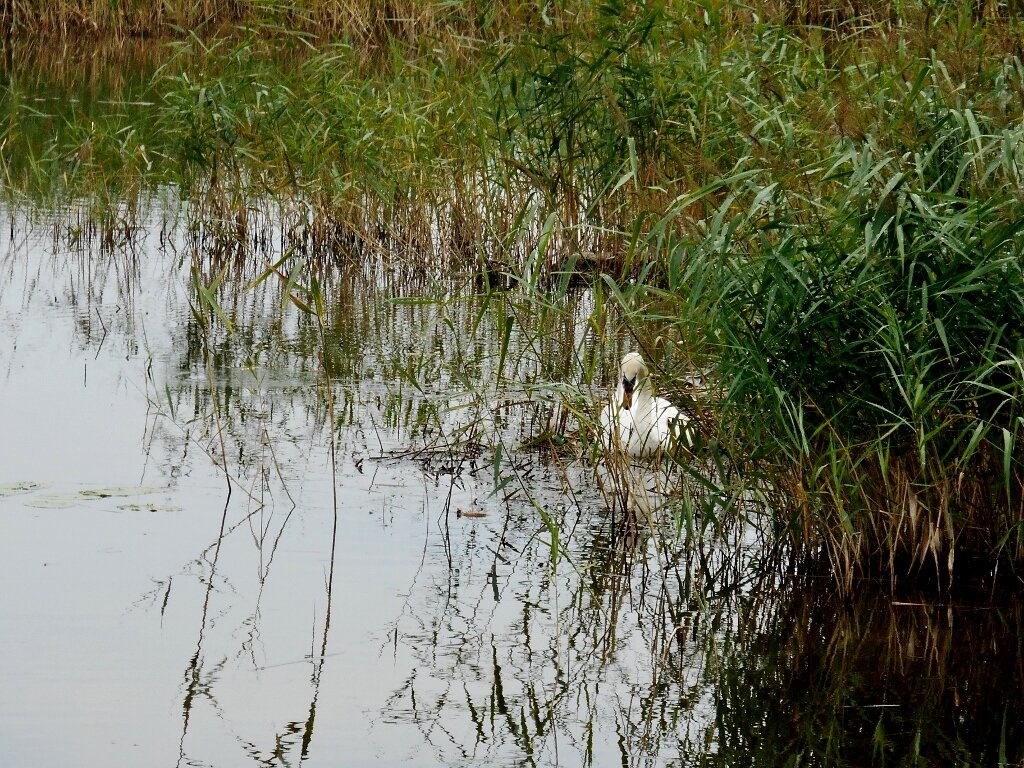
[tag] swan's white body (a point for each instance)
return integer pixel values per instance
(636, 422)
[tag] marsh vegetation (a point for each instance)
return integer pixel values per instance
(386, 258)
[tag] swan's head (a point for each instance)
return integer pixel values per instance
(632, 376)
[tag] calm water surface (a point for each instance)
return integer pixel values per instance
(152, 617)
(151, 614)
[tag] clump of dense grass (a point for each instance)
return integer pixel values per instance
(863, 316)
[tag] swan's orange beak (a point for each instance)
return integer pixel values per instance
(627, 393)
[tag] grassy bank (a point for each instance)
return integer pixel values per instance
(818, 205)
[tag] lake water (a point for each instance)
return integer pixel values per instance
(400, 605)
(154, 616)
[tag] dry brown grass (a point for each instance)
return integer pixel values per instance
(360, 22)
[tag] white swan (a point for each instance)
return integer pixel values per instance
(636, 422)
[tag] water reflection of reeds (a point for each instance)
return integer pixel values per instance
(875, 681)
(691, 655)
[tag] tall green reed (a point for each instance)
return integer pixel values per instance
(866, 339)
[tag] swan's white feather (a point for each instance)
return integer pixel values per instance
(636, 422)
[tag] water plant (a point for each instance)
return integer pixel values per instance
(866, 343)
(826, 224)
